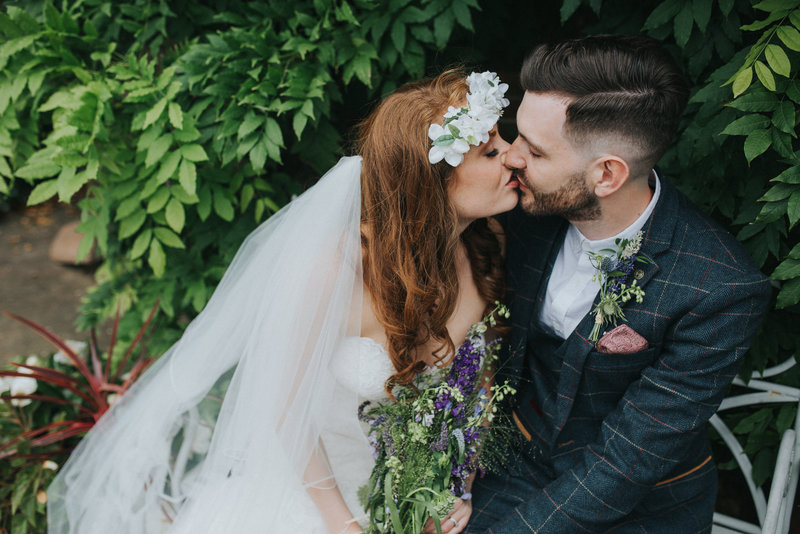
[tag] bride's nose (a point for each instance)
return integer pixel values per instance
(502, 145)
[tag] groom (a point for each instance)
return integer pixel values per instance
(612, 423)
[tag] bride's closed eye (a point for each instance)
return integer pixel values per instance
(492, 153)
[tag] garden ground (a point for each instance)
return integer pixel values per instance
(33, 286)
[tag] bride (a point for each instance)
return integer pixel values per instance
(249, 422)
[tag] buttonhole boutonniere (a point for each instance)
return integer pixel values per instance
(614, 272)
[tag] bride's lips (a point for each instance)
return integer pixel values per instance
(520, 182)
(513, 181)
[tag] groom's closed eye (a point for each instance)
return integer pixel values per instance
(533, 149)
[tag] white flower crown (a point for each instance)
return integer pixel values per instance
(469, 125)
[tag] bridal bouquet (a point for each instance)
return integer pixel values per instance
(426, 444)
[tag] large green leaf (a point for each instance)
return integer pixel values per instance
(778, 60)
(568, 8)
(158, 200)
(745, 125)
(154, 113)
(175, 215)
(37, 170)
(157, 149)
(140, 244)
(187, 175)
(168, 166)
(790, 37)
(663, 13)
(765, 75)
(701, 11)
(130, 224)
(157, 259)
(175, 115)
(755, 101)
(784, 117)
(168, 237)
(12, 46)
(742, 81)
(682, 25)
(43, 191)
(223, 206)
(793, 208)
(194, 152)
(443, 27)
(249, 124)
(788, 269)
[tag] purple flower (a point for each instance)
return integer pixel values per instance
(442, 443)
(388, 442)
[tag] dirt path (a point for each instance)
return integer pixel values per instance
(31, 285)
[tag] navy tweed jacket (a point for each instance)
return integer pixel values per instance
(625, 442)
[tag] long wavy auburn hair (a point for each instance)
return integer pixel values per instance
(411, 227)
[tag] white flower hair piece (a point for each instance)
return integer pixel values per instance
(468, 125)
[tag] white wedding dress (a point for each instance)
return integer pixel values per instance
(218, 434)
(348, 451)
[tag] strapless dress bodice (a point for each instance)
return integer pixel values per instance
(362, 365)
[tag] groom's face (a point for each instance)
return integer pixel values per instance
(552, 173)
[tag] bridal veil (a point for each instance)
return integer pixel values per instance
(207, 438)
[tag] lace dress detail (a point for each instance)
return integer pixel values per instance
(362, 365)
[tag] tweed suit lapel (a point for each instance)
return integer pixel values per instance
(533, 244)
(656, 240)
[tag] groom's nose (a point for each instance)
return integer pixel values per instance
(515, 157)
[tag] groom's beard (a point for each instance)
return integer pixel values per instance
(573, 201)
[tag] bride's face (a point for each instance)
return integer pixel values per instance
(481, 184)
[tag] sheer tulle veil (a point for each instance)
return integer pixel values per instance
(216, 426)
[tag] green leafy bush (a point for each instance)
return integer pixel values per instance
(178, 126)
(181, 125)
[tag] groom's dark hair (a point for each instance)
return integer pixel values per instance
(627, 86)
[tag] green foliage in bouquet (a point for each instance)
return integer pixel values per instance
(179, 126)
(427, 443)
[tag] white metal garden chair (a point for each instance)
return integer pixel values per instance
(774, 514)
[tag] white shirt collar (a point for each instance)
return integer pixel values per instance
(578, 243)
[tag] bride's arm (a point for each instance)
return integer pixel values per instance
(318, 478)
(323, 490)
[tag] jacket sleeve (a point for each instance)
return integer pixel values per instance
(655, 421)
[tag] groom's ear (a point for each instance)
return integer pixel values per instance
(609, 173)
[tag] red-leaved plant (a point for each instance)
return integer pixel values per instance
(91, 387)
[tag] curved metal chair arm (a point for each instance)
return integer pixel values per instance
(785, 472)
(773, 515)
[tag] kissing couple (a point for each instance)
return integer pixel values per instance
(630, 312)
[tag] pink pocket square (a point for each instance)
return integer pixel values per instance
(621, 340)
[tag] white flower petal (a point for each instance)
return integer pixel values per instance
(460, 146)
(23, 385)
(454, 159)
(435, 155)
(435, 131)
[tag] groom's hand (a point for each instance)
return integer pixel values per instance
(455, 521)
